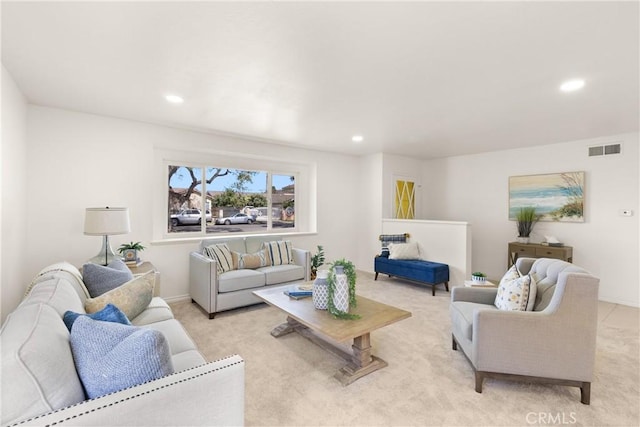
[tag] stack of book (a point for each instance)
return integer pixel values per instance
(299, 291)
(133, 263)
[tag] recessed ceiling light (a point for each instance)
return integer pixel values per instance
(174, 99)
(571, 85)
(357, 138)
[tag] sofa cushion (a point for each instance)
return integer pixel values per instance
(236, 244)
(100, 278)
(511, 274)
(279, 252)
(57, 293)
(177, 337)
(404, 251)
(222, 254)
(254, 260)
(38, 373)
(132, 298)
(110, 313)
(516, 295)
(157, 311)
(235, 280)
(282, 273)
(110, 356)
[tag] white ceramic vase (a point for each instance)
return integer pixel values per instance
(320, 293)
(341, 291)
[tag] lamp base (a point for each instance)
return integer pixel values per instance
(106, 254)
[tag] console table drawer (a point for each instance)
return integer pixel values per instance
(548, 252)
(533, 250)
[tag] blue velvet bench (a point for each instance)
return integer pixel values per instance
(431, 273)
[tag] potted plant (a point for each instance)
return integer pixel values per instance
(478, 276)
(316, 261)
(129, 251)
(526, 218)
(349, 269)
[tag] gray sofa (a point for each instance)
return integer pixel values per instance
(554, 343)
(216, 292)
(40, 384)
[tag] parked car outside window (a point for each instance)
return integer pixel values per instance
(189, 217)
(238, 218)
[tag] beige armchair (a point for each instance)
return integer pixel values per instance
(554, 343)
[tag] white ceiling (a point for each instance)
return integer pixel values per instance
(423, 79)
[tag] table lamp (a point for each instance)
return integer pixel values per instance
(106, 222)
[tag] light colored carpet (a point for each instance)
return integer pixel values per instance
(289, 380)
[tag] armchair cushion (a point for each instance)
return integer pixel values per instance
(517, 294)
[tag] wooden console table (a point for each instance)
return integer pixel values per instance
(533, 250)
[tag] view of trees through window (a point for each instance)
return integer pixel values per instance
(233, 200)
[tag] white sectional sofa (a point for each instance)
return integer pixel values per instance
(217, 291)
(41, 386)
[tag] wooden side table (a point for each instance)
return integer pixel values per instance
(145, 267)
(486, 284)
(533, 250)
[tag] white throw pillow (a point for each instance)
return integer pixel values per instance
(404, 251)
(517, 294)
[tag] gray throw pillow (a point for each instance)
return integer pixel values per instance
(111, 356)
(100, 279)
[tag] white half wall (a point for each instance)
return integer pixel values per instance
(448, 242)
(474, 188)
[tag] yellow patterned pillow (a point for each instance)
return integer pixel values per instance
(132, 298)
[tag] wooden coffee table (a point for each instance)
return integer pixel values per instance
(308, 322)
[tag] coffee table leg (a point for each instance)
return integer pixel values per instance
(362, 361)
(285, 328)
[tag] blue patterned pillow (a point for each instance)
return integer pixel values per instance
(100, 279)
(110, 313)
(111, 357)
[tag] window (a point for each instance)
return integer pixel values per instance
(234, 200)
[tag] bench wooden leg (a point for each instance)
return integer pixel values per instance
(446, 286)
(433, 290)
(376, 278)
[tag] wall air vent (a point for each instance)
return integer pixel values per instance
(605, 150)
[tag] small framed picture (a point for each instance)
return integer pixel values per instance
(129, 254)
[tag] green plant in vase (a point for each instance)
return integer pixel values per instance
(526, 219)
(350, 271)
(129, 251)
(317, 260)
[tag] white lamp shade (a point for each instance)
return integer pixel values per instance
(106, 221)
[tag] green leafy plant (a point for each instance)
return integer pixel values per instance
(526, 218)
(479, 274)
(316, 261)
(133, 245)
(350, 272)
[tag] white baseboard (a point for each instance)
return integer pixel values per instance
(178, 298)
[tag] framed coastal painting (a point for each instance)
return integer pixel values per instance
(555, 196)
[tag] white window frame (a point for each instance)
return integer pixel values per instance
(305, 191)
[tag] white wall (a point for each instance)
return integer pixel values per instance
(474, 188)
(13, 192)
(80, 160)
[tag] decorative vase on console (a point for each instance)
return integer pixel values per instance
(321, 290)
(341, 292)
